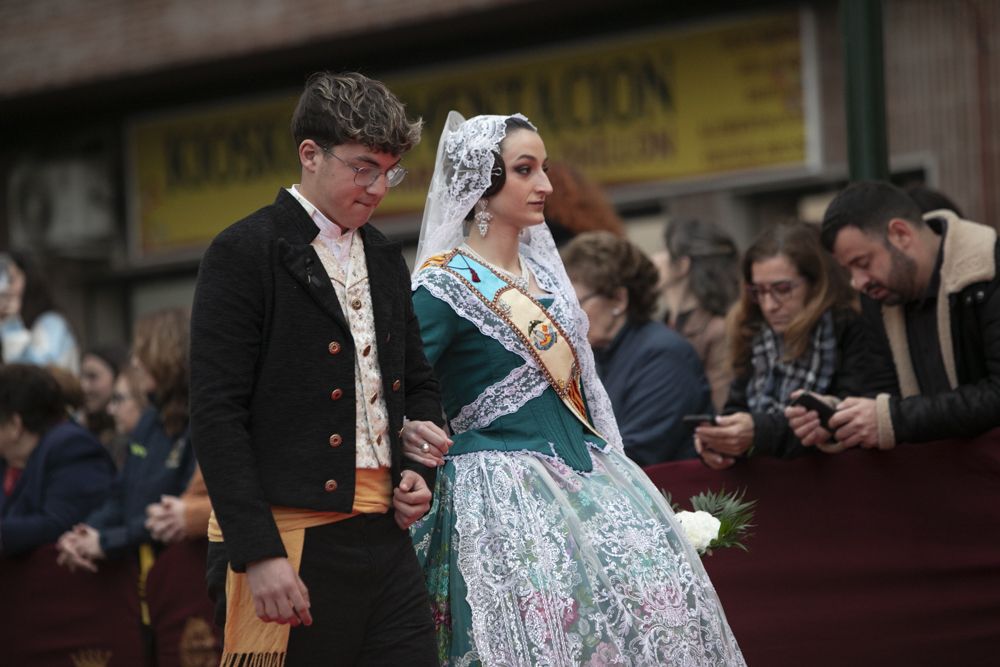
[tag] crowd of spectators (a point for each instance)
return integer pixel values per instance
(96, 464)
(886, 317)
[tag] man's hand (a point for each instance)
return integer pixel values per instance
(166, 519)
(856, 423)
(732, 437)
(411, 499)
(279, 595)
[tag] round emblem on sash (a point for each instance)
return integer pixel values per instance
(542, 335)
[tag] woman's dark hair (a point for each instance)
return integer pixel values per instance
(499, 173)
(37, 298)
(827, 283)
(714, 276)
(32, 393)
(162, 347)
(115, 357)
(605, 262)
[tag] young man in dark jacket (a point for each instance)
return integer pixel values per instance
(930, 295)
(306, 356)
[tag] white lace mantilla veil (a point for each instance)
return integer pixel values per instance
(462, 173)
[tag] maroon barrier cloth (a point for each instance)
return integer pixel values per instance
(862, 558)
(179, 608)
(54, 617)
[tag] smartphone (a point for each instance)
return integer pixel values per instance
(695, 420)
(813, 402)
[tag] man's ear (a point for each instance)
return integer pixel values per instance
(309, 152)
(900, 233)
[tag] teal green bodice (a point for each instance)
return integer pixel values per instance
(466, 362)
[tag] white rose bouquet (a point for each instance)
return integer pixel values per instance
(718, 520)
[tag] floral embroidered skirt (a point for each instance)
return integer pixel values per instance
(529, 562)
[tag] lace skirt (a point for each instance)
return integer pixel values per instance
(529, 562)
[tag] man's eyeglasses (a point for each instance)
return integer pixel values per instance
(779, 290)
(365, 176)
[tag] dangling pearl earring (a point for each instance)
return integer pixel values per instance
(483, 217)
(616, 311)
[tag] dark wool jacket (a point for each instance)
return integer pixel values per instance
(772, 436)
(968, 322)
(67, 475)
(269, 345)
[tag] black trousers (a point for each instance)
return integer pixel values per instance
(367, 597)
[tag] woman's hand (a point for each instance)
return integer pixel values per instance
(80, 548)
(732, 436)
(713, 460)
(167, 519)
(425, 442)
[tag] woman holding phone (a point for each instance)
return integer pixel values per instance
(796, 328)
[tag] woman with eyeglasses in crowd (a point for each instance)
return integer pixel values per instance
(795, 328)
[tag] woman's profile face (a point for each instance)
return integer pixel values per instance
(521, 200)
(780, 291)
(97, 381)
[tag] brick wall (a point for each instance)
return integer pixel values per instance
(50, 44)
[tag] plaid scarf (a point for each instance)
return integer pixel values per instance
(774, 378)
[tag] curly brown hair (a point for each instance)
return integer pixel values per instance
(605, 262)
(162, 346)
(337, 109)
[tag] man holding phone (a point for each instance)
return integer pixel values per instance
(931, 298)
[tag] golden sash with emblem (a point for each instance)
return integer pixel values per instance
(540, 335)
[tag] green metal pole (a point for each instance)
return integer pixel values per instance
(864, 83)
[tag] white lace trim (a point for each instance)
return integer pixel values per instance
(446, 287)
(502, 398)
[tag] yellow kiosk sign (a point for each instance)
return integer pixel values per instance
(657, 106)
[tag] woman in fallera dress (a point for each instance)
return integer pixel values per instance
(545, 545)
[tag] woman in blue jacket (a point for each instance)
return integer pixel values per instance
(54, 471)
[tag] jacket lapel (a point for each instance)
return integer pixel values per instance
(305, 266)
(298, 256)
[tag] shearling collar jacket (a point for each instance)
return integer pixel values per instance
(968, 324)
